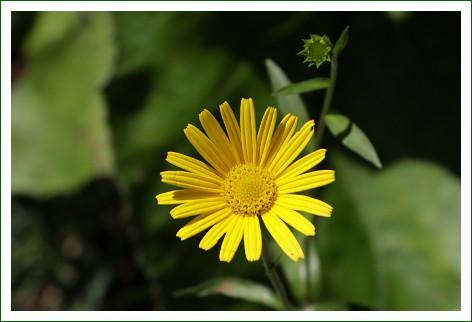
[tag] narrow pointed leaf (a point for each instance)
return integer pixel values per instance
(342, 42)
(235, 288)
(352, 137)
(306, 86)
(290, 103)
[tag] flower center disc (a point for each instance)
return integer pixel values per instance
(249, 190)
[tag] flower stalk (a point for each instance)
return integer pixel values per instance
(326, 102)
(275, 278)
(328, 98)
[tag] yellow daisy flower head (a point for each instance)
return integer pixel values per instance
(249, 175)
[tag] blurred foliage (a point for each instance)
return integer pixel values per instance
(57, 104)
(235, 288)
(99, 98)
(403, 225)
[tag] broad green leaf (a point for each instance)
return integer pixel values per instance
(342, 42)
(352, 137)
(236, 288)
(305, 86)
(290, 103)
(393, 242)
(60, 137)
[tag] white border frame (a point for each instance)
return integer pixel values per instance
(463, 6)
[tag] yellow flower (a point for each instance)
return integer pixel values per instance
(248, 176)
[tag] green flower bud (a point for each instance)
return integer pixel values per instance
(317, 50)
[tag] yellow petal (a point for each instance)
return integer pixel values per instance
(248, 131)
(264, 135)
(176, 197)
(202, 222)
(304, 164)
(304, 203)
(207, 149)
(215, 233)
(233, 130)
(193, 165)
(282, 235)
(289, 151)
(217, 135)
(283, 134)
(234, 234)
(197, 207)
(305, 181)
(189, 180)
(295, 219)
(252, 238)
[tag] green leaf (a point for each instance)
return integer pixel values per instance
(295, 272)
(95, 290)
(399, 16)
(290, 103)
(326, 306)
(342, 42)
(305, 86)
(352, 137)
(235, 288)
(393, 242)
(60, 137)
(144, 39)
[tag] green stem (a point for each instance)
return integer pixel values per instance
(319, 138)
(326, 102)
(274, 277)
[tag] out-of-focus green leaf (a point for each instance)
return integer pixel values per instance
(399, 16)
(352, 137)
(290, 103)
(236, 288)
(344, 249)
(295, 272)
(342, 42)
(306, 86)
(393, 242)
(95, 290)
(172, 105)
(326, 306)
(60, 138)
(144, 39)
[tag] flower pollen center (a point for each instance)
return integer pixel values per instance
(249, 190)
